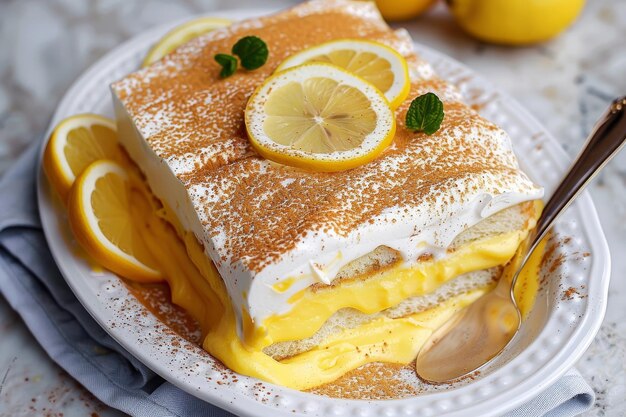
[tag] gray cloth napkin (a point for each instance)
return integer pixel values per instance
(33, 285)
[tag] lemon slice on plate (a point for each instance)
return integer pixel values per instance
(183, 34)
(319, 117)
(75, 143)
(103, 208)
(374, 62)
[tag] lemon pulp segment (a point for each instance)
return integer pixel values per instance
(366, 65)
(113, 202)
(88, 144)
(378, 64)
(319, 115)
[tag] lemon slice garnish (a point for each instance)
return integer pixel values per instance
(183, 34)
(75, 143)
(320, 117)
(103, 209)
(374, 62)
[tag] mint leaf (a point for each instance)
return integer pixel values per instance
(228, 63)
(252, 52)
(425, 114)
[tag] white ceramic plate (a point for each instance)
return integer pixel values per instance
(560, 327)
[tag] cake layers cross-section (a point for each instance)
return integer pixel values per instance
(298, 249)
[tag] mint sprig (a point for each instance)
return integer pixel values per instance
(228, 63)
(252, 52)
(425, 114)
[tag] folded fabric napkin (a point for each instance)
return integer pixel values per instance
(33, 285)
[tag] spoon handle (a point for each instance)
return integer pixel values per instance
(606, 139)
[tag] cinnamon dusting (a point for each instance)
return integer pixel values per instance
(374, 381)
(157, 299)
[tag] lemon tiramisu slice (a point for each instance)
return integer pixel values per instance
(314, 273)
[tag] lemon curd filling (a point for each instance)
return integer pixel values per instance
(311, 309)
(197, 287)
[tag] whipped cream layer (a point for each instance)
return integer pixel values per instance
(262, 223)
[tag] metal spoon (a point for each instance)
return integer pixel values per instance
(476, 335)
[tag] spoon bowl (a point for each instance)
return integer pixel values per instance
(477, 334)
(474, 335)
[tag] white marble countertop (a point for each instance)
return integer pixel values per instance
(566, 84)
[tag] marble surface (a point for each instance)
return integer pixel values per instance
(565, 83)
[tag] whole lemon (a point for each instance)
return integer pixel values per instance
(515, 22)
(394, 10)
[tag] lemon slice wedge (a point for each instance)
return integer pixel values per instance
(374, 62)
(75, 143)
(319, 117)
(181, 35)
(103, 209)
